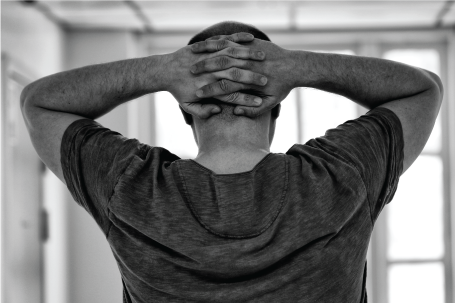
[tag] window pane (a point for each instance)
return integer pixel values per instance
(416, 283)
(286, 129)
(415, 216)
(172, 132)
(429, 60)
(321, 111)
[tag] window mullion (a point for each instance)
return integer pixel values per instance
(377, 279)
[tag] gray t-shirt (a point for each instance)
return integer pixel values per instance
(295, 228)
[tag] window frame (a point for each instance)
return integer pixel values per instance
(381, 264)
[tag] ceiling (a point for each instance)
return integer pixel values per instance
(162, 16)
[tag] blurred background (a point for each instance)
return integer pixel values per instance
(52, 250)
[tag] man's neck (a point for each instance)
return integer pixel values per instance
(232, 159)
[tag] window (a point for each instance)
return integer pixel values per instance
(172, 132)
(415, 222)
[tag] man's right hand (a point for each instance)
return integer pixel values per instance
(277, 67)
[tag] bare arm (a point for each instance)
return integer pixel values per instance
(92, 91)
(367, 81)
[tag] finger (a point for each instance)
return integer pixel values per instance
(201, 110)
(235, 57)
(240, 52)
(218, 37)
(249, 111)
(219, 88)
(237, 37)
(242, 76)
(240, 99)
(220, 63)
(212, 45)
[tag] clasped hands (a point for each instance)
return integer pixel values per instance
(253, 74)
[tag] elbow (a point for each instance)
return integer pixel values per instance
(28, 102)
(25, 99)
(437, 85)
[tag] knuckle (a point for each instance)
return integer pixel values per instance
(230, 38)
(224, 85)
(222, 44)
(232, 51)
(236, 74)
(232, 97)
(247, 98)
(209, 89)
(222, 61)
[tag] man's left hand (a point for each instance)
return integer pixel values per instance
(231, 57)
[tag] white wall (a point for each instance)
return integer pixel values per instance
(93, 272)
(34, 45)
(31, 39)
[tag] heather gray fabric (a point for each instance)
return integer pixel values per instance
(293, 229)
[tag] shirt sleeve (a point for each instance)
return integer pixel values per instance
(373, 145)
(93, 158)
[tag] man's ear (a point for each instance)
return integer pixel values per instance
(188, 117)
(276, 111)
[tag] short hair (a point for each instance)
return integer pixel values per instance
(224, 28)
(228, 28)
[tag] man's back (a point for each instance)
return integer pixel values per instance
(295, 228)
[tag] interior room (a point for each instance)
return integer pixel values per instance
(52, 251)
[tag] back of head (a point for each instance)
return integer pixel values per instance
(224, 28)
(228, 28)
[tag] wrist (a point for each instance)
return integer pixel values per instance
(157, 72)
(302, 68)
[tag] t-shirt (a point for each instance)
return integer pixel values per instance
(295, 228)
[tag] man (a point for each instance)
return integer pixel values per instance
(237, 223)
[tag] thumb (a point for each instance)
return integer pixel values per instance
(203, 111)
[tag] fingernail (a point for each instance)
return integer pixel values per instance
(194, 46)
(240, 111)
(199, 93)
(257, 100)
(263, 80)
(215, 110)
(249, 36)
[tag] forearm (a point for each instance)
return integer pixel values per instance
(369, 82)
(94, 90)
